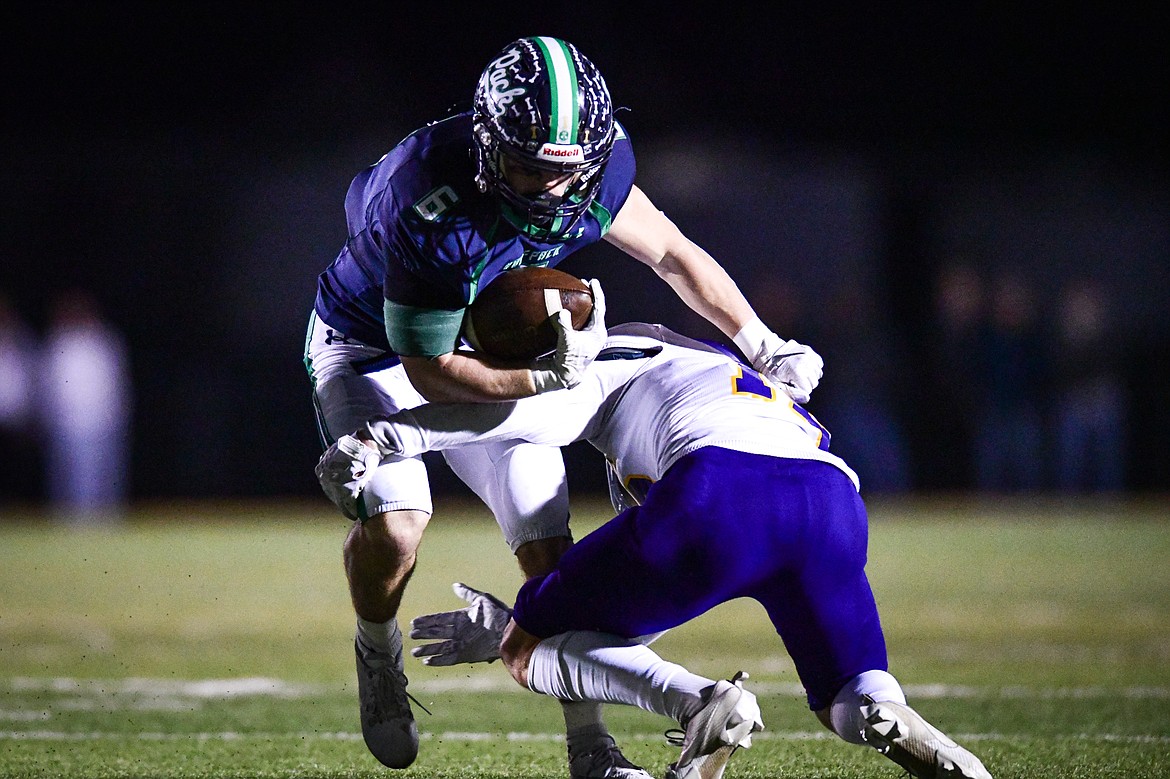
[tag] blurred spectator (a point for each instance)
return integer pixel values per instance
(20, 476)
(1011, 377)
(945, 386)
(864, 363)
(1090, 397)
(85, 402)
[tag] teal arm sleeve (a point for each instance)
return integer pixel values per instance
(422, 332)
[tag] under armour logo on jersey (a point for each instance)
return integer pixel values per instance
(334, 337)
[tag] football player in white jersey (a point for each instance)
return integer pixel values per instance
(736, 495)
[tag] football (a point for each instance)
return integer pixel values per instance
(509, 318)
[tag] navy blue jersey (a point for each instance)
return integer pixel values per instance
(423, 238)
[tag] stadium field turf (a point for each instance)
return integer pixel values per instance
(215, 640)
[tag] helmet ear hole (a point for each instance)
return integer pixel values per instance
(543, 102)
(619, 497)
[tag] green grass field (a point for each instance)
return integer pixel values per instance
(216, 641)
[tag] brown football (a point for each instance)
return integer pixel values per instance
(509, 318)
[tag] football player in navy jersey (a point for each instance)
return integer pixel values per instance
(726, 490)
(535, 170)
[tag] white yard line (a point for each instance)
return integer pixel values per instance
(71, 694)
(196, 688)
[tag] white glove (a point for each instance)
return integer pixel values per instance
(471, 635)
(794, 368)
(575, 348)
(344, 471)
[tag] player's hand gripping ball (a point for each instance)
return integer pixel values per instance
(511, 318)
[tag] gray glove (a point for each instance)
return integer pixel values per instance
(470, 635)
(794, 368)
(344, 470)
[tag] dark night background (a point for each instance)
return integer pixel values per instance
(188, 162)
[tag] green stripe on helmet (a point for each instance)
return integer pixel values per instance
(563, 83)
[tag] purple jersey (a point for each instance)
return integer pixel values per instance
(423, 237)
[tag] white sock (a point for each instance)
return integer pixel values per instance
(380, 636)
(845, 712)
(584, 665)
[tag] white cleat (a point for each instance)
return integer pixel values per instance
(387, 723)
(604, 761)
(724, 724)
(902, 735)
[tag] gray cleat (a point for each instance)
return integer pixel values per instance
(387, 722)
(902, 735)
(724, 724)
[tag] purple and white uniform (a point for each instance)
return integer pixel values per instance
(740, 497)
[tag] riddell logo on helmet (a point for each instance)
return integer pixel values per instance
(561, 153)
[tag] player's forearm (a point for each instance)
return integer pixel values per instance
(439, 426)
(647, 235)
(434, 427)
(460, 378)
(706, 287)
